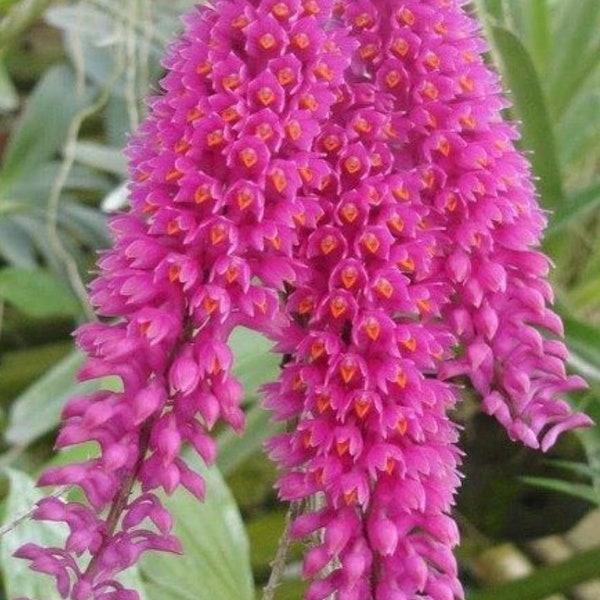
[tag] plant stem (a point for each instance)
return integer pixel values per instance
(278, 564)
(120, 502)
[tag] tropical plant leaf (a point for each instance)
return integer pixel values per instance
(15, 246)
(101, 157)
(575, 206)
(18, 579)
(577, 56)
(583, 340)
(254, 363)
(526, 91)
(37, 410)
(37, 293)
(235, 449)
(216, 561)
(42, 130)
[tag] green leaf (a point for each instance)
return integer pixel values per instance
(37, 293)
(235, 449)
(37, 410)
(101, 157)
(577, 135)
(526, 91)
(216, 561)
(583, 340)
(495, 8)
(19, 580)
(532, 17)
(586, 295)
(33, 191)
(574, 467)
(579, 490)
(254, 363)
(577, 55)
(42, 130)
(15, 246)
(574, 206)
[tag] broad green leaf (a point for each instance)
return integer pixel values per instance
(37, 410)
(254, 363)
(216, 562)
(531, 21)
(36, 292)
(101, 157)
(33, 191)
(116, 122)
(536, 16)
(235, 449)
(42, 130)
(494, 7)
(526, 91)
(19, 580)
(34, 226)
(15, 246)
(577, 134)
(89, 223)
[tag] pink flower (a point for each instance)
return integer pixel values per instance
(337, 176)
(422, 267)
(219, 193)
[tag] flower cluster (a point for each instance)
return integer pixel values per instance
(223, 176)
(422, 269)
(337, 176)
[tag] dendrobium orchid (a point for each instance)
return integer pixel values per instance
(338, 177)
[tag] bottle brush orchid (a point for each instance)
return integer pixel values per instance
(336, 175)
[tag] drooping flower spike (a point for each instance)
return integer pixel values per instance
(424, 268)
(338, 177)
(223, 176)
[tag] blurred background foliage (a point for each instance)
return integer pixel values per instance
(72, 80)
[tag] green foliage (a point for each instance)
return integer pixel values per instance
(36, 292)
(37, 410)
(216, 560)
(21, 497)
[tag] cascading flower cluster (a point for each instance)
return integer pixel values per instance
(335, 175)
(422, 269)
(220, 185)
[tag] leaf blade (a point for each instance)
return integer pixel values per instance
(530, 103)
(216, 563)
